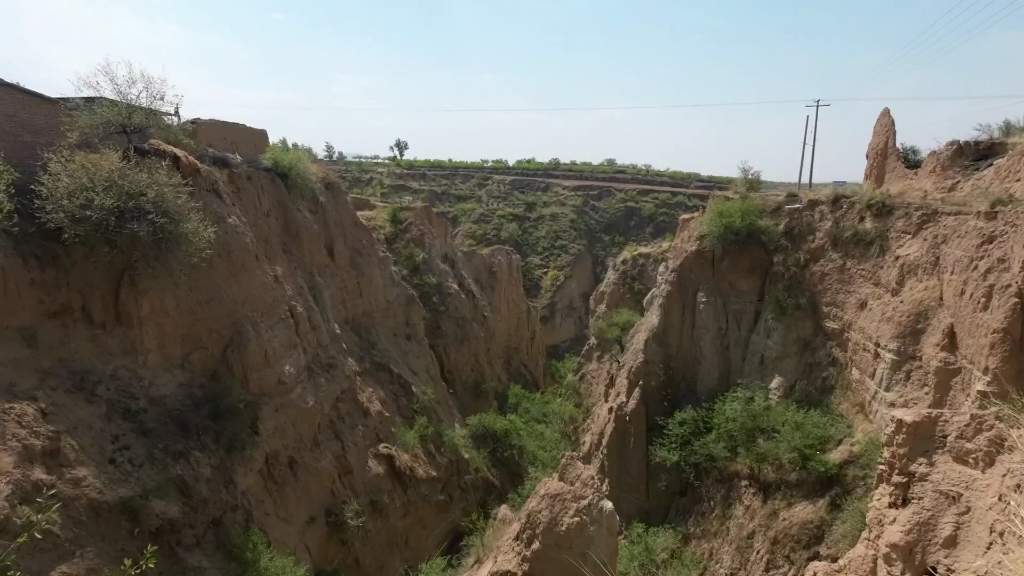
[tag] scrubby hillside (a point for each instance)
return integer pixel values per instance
(564, 232)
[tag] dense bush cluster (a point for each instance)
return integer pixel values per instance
(613, 327)
(139, 207)
(525, 441)
(773, 441)
(656, 551)
(737, 220)
(295, 163)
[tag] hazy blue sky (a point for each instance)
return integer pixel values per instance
(293, 68)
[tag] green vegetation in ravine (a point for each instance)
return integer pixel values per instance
(656, 551)
(774, 441)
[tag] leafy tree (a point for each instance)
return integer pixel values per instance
(399, 148)
(748, 180)
(329, 151)
(118, 99)
(911, 156)
(647, 168)
(554, 162)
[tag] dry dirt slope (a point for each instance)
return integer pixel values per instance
(261, 389)
(925, 325)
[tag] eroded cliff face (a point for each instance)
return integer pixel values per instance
(262, 388)
(916, 311)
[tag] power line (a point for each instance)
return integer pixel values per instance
(942, 50)
(965, 115)
(889, 68)
(983, 30)
(623, 108)
(897, 53)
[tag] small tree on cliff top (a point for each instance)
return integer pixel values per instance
(748, 180)
(119, 99)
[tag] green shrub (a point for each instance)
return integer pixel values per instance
(779, 303)
(772, 440)
(911, 156)
(458, 443)
(140, 207)
(412, 439)
(295, 164)
(614, 327)
(526, 441)
(656, 551)
(7, 178)
(858, 238)
(256, 557)
(737, 220)
(411, 263)
(437, 566)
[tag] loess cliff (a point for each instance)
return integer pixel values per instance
(261, 388)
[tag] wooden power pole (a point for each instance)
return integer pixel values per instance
(803, 151)
(814, 142)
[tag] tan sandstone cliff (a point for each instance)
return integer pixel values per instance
(925, 328)
(262, 388)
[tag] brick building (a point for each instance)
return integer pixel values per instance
(30, 123)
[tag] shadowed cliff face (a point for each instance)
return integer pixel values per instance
(262, 388)
(919, 329)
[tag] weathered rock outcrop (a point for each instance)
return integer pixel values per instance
(262, 388)
(941, 503)
(703, 330)
(969, 172)
(883, 157)
(630, 279)
(566, 315)
(923, 330)
(567, 527)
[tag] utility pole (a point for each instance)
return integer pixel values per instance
(803, 151)
(814, 143)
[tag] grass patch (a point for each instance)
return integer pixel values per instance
(437, 566)
(615, 326)
(743, 219)
(778, 441)
(858, 238)
(878, 203)
(1003, 201)
(525, 441)
(850, 518)
(295, 164)
(656, 551)
(256, 557)
(140, 207)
